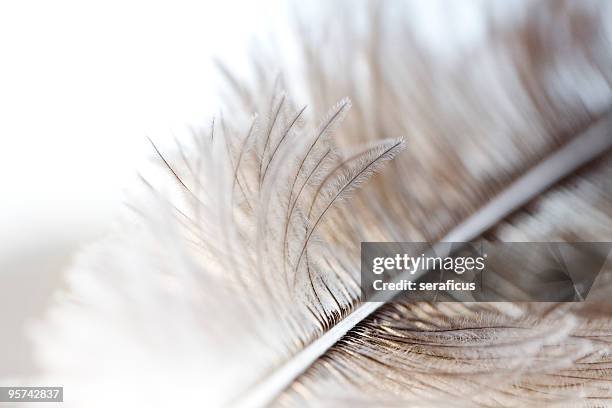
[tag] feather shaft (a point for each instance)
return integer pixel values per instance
(583, 149)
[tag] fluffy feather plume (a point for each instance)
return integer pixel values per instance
(230, 242)
(249, 252)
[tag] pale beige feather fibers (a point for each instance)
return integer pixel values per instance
(488, 354)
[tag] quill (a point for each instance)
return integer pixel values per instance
(583, 149)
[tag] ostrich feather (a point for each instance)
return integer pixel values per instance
(244, 255)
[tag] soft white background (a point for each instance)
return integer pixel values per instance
(83, 82)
